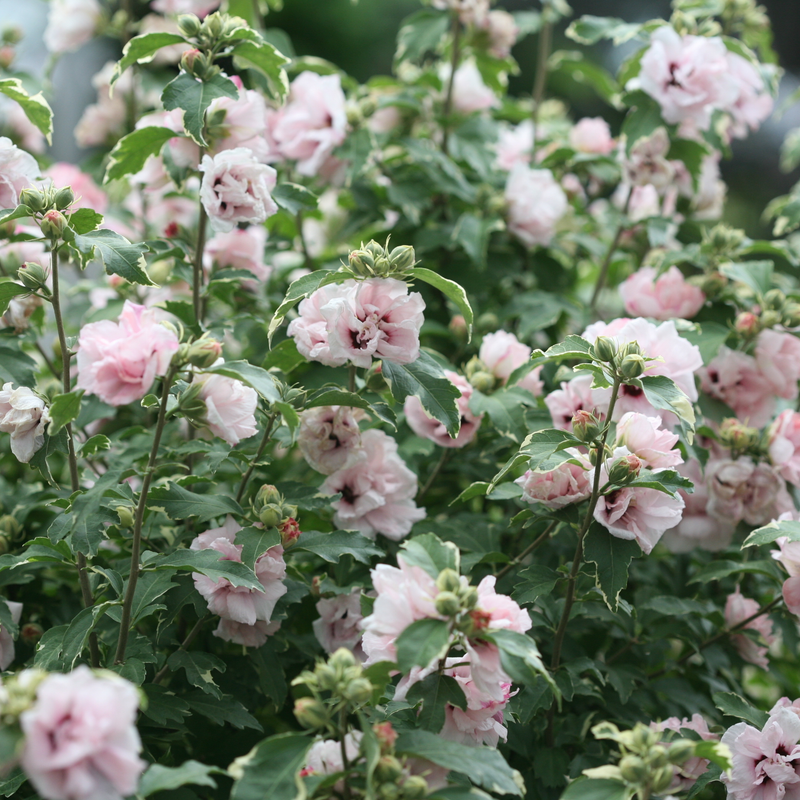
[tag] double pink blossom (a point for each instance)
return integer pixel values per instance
(377, 489)
(778, 357)
(310, 329)
(662, 297)
(81, 741)
(502, 353)
(642, 436)
(502, 30)
(784, 445)
(18, 171)
(24, 415)
(739, 608)
(753, 103)
(329, 437)
(742, 489)
(536, 203)
(788, 553)
(592, 135)
(470, 93)
(514, 145)
(71, 23)
(339, 623)
(555, 488)
(241, 248)
(430, 428)
(254, 635)
(118, 361)
(244, 122)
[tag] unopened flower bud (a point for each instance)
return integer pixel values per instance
(32, 275)
(725, 239)
(290, 531)
(342, 659)
(657, 756)
(643, 737)
(374, 249)
(125, 514)
(680, 751)
(713, 283)
(326, 676)
(374, 379)
(769, 319)
(389, 791)
(388, 769)
(35, 199)
(747, 324)
(64, 198)
(469, 598)
(629, 349)
(270, 515)
(791, 315)
(448, 581)
(188, 25)
(213, 25)
(267, 494)
(385, 734)
(774, 299)
(5, 544)
(586, 426)
(12, 34)
(358, 691)
(487, 322)
(31, 632)
(624, 470)
(415, 787)
(204, 352)
(53, 224)
(483, 381)
(634, 770)
(362, 263)
(738, 436)
(458, 326)
(310, 713)
(7, 56)
(447, 604)
(632, 366)
(662, 778)
(10, 526)
(194, 62)
(402, 258)
(605, 348)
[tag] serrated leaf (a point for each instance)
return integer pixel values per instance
(158, 778)
(36, 108)
(206, 562)
(572, 347)
(773, 530)
(450, 289)
(421, 33)
(717, 570)
(180, 503)
(269, 60)
(431, 554)
(270, 769)
(193, 97)
(332, 546)
(421, 643)
(436, 692)
(521, 660)
(142, 48)
(132, 151)
(642, 120)
(255, 542)
(198, 667)
(736, 706)
(611, 556)
(227, 710)
(64, 409)
(16, 366)
(663, 392)
(119, 256)
(536, 580)
(9, 290)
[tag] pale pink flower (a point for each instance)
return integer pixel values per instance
(197, 7)
(24, 415)
(312, 123)
(238, 603)
(753, 103)
(405, 594)
(502, 353)
(18, 171)
(592, 135)
(662, 297)
(503, 612)
(642, 435)
(118, 361)
(573, 396)
(87, 193)
(737, 609)
(784, 445)
(385, 119)
(778, 358)
(325, 756)
(329, 437)
(100, 122)
(536, 203)
(503, 32)
(470, 12)
(71, 23)
(688, 76)
(514, 145)
(789, 552)
(230, 406)
(765, 764)
(377, 488)
(6, 642)
(241, 248)
(470, 93)
(339, 623)
(81, 741)
(430, 428)
(377, 318)
(555, 488)
(236, 188)
(686, 775)
(741, 489)
(708, 202)
(244, 123)
(310, 328)
(647, 163)
(254, 635)
(15, 254)
(791, 594)
(735, 378)
(19, 311)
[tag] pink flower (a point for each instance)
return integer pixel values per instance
(688, 76)
(430, 428)
(741, 489)
(791, 594)
(238, 603)
(241, 248)
(236, 188)
(24, 415)
(377, 489)
(313, 122)
(71, 23)
(535, 204)
(514, 145)
(81, 741)
(737, 609)
(339, 624)
(18, 170)
(310, 329)
(504, 613)
(663, 297)
(6, 642)
(567, 483)
(789, 552)
(325, 755)
(19, 312)
(376, 318)
(765, 763)
(709, 201)
(87, 193)
(592, 135)
(502, 353)
(784, 445)
(686, 774)
(405, 594)
(647, 163)
(573, 396)
(329, 437)
(118, 361)
(642, 435)
(778, 358)
(244, 123)
(753, 104)
(470, 12)
(503, 31)
(230, 406)
(470, 93)
(735, 378)
(197, 7)
(254, 635)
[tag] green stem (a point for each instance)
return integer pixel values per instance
(197, 267)
(259, 453)
(539, 540)
(351, 379)
(74, 479)
(136, 544)
(307, 260)
(454, 58)
(540, 81)
(434, 474)
(192, 635)
(603, 274)
(343, 746)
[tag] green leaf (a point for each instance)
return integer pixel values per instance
(16, 366)
(450, 289)
(336, 397)
(735, 706)
(255, 542)
(773, 530)
(180, 503)
(119, 256)
(611, 555)
(220, 712)
(663, 392)
(158, 778)
(294, 198)
(422, 642)
(541, 445)
(443, 172)
(35, 106)
(271, 677)
(142, 48)
(572, 347)
(198, 667)
(757, 275)
(425, 379)
(711, 775)
(665, 480)
(435, 692)
(283, 356)
(472, 232)
(431, 554)
(8, 290)
(582, 70)
(20, 212)
(7, 619)
(87, 520)
(84, 220)
(484, 765)
(267, 59)
(590, 29)
(271, 768)
(11, 739)
(537, 580)
(505, 408)
(596, 789)
(421, 33)
(691, 153)
(193, 97)
(131, 151)
(98, 443)
(708, 337)
(643, 119)
(207, 562)
(255, 377)
(150, 588)
(521, 659)
(332, 546)
(64, 409)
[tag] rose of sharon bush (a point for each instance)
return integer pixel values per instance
(81, 741)
(662, 297)
(118, 361)
(25, 416)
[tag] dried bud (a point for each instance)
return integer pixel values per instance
(289, 531)
(448, 581)
(53, 224)
(30, 633)
(624, 470)
(64, 198)
(632, 366)
(310, 713)
(32, 275)
(188, 25)
(447, 604)
(605, 349)
(747, 324)
(35, 199)
(203, 353)
(586, 426)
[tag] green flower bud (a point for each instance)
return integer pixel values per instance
(311, 713)
(388, 769)
(662, 778)
(586, 426)
(188, 25)
(735, 435)
(270, 515)
(195, 63)
(774, 299)
(448, 581)
(64, 198)
(374, 249)
(624, 470)
(657, 756)
(389, 791)
(53, 224)
(9, 525)
(632, 366)
(203, 353)
(643, 737)
(712, 284)
(725, 239)
(374, 379)
(605, 348)
(267, 494)
(634, 770)
(362, 263)
(415, 787)
(402, 258)
(32, 275)
(35, 199)
(343, 659)
(680, 751)
(769, 319)
(791, 315)
(483, 381)
(358, 691)
(629, 349)
(447, 604)
(469, 599)
(487, 322)
(214, 25)
(326, 676)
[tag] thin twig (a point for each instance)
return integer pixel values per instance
(192, 635)
(539, 540)
(454, 58)
(434, 474)
(259, 453)
(603, 274)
